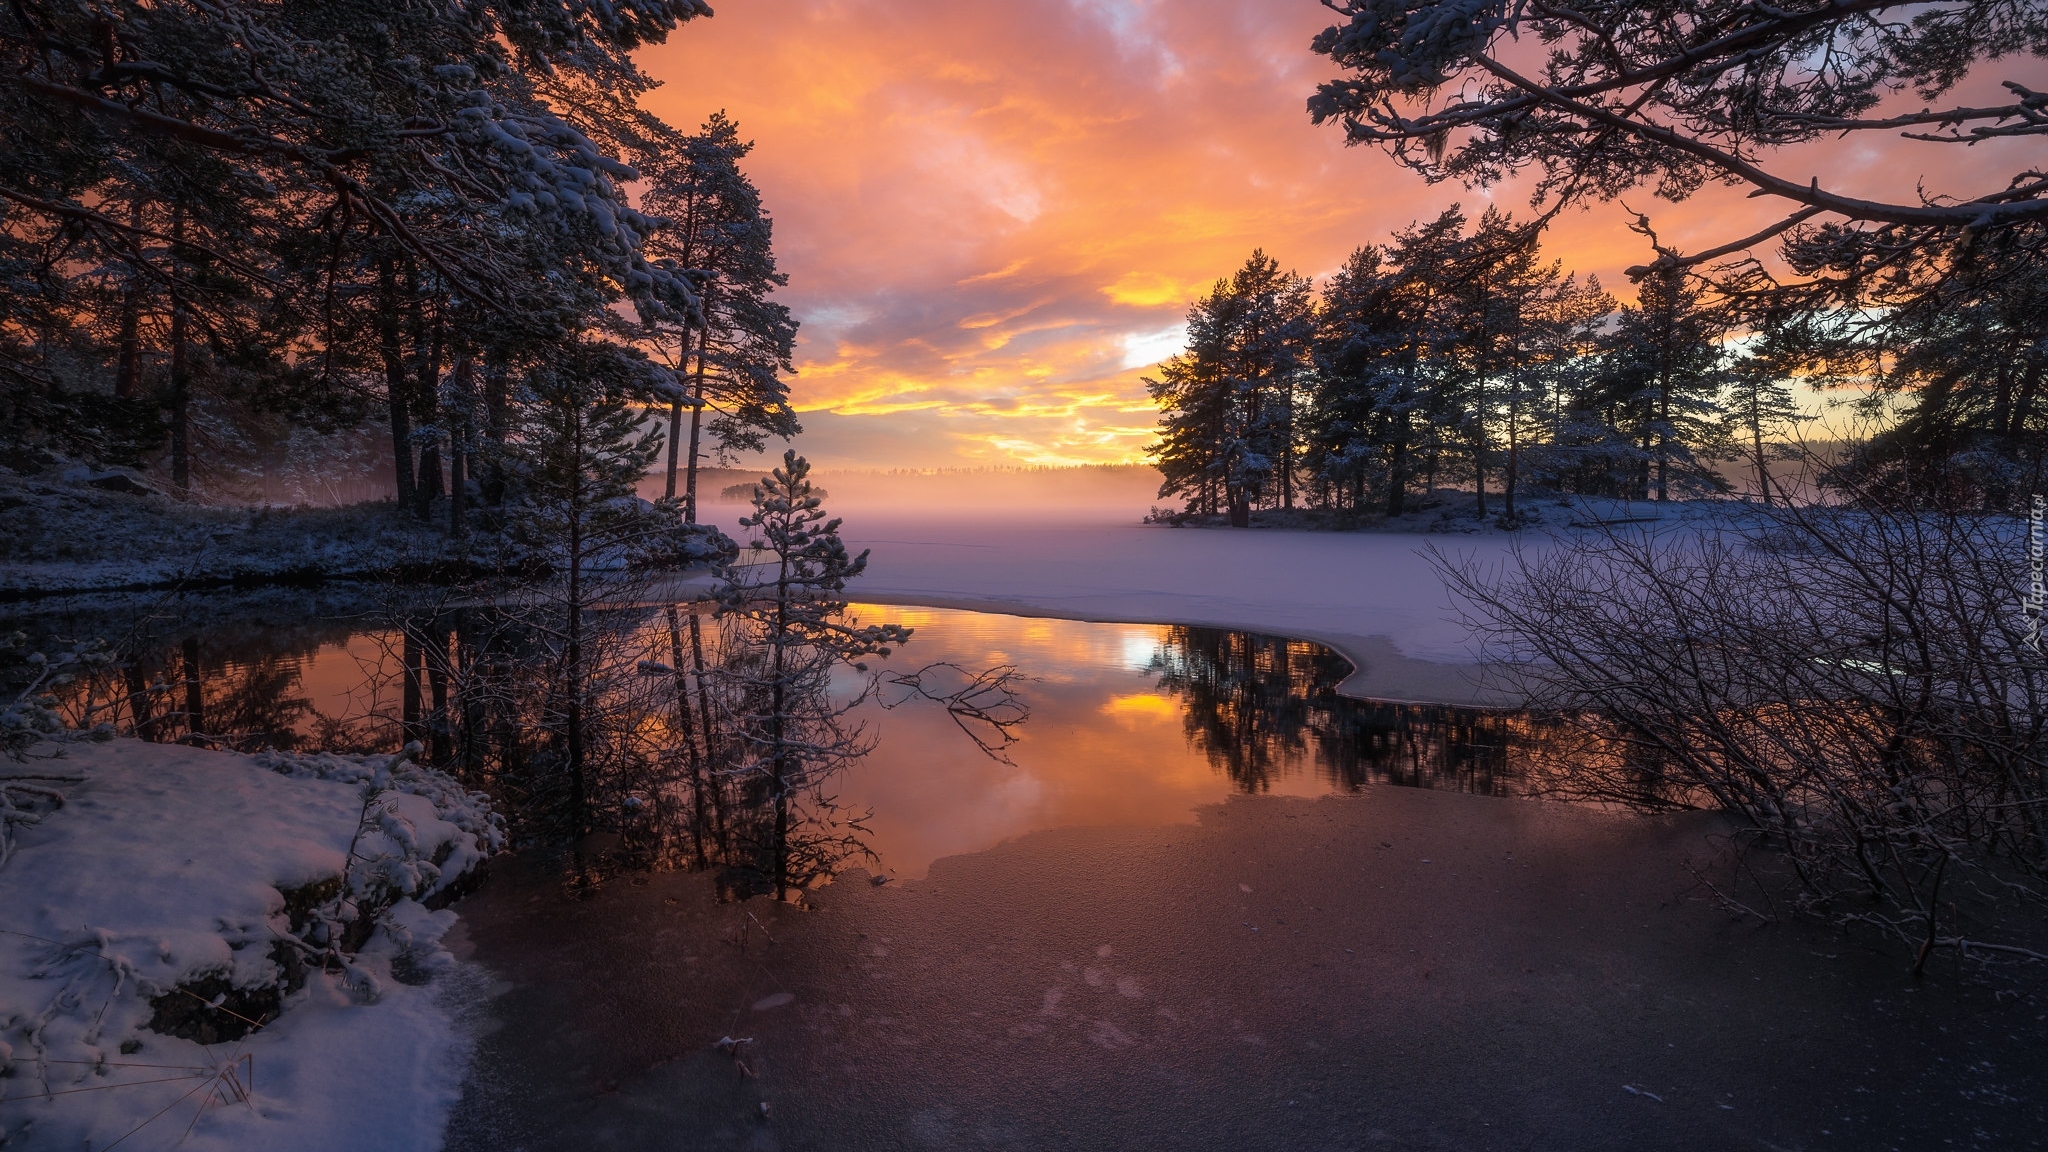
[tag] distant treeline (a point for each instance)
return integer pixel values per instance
(1455, 354)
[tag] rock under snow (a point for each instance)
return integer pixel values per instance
(183, 889)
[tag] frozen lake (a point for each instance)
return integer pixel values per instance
(1194, 911)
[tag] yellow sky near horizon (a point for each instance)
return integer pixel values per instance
(994, 216)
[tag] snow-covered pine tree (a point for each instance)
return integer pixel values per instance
(1550, 354)
(1663, 367)
(1227, 433)
(576, 454)
(1383, 399)
(1355, 424)
(1496, 287)
(437, 138)
(735, 347)
(785, 631)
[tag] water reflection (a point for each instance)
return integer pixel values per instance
(1130, 724)
(288, 670)
(1262, 707)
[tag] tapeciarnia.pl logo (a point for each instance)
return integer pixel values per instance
(2037, 566)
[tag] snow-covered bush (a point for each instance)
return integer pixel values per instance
(28, 710)
(182, 898)
(422, 832)
(669, 543)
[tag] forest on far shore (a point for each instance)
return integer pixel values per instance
(1456, 354)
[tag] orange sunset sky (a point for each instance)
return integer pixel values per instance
(994, 215)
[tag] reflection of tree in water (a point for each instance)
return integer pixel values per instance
(680, 727)
(1245, 697)
(1262, 706)
(217, 671)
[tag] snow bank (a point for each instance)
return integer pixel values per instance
(180, 887)
(1371, 596)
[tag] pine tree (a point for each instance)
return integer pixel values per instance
(1430, 389)
(1356, 427)
(1759, 409)
(715, 229)
(1549, 355)
(1951, 337)
(1375, 377)
(1496, 289)
(580, 449)
(1228, 433)
(787, 630)
(1664, 368)
(421, 144)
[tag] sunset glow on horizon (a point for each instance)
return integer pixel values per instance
(995, 216)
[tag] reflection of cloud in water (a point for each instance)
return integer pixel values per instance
(1095, 752)
(1141, 648)
(1141, 708)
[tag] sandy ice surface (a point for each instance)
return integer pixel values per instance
(1397, 969)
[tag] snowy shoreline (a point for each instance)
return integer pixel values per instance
(163, 899)
(1379, 671)
(1373, 597)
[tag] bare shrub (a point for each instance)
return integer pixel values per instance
(1855, 685)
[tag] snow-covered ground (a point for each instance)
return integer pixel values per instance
(64, 533)
(168, 868)
(1372, 596)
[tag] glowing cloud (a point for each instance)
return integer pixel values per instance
(995, 215)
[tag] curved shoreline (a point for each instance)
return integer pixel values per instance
(1378, 669)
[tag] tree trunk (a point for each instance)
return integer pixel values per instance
(1756, 434)
(697, 416)
(396, 386)
(1479, 445)
(140, 714)
(463, 381)
(497, 405)
(1514, 467)
(1287, 448)
(1397, 471)
(128, 369)
(1663, 436)
(576, 636)
(575, 630)
(426, 346)
(181, 381)
(675, 445)
(180, 402)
